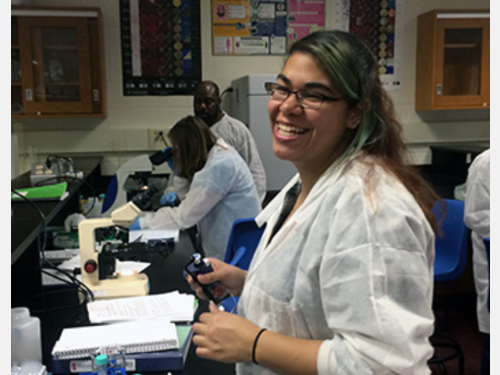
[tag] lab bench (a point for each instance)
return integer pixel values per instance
(59, 307)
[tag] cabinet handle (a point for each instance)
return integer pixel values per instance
(96, 96)
(29, 95)
(439, 89)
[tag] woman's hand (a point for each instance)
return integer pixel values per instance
(231, 277)
(224, 337)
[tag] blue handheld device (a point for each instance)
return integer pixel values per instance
(198, 266)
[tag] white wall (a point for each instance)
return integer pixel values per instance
(125, 132)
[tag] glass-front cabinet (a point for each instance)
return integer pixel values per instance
(56, 63)
(453, 54)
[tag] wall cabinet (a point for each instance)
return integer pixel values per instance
(453, 60)
(56, 63)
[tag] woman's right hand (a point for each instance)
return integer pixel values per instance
(231, 277)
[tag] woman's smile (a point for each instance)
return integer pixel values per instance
(288, 130)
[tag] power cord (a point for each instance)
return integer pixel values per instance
(161, 136)
(41, 249)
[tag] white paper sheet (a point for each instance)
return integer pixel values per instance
(178, 307)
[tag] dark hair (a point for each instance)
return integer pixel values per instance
(208, 84)
(191, 140)
(353, 70)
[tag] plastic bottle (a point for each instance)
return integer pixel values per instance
(25, 339)
(101, 362)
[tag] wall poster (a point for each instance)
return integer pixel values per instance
(379, 24)
(160, 41)
(262, 27)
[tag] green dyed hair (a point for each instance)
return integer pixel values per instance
(353, 70)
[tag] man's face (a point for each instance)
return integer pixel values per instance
(206, 104)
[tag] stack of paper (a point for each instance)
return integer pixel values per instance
(178, 307)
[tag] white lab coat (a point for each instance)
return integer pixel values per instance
(220, 193)
(236, 134)
(353, 266)
(477, 219)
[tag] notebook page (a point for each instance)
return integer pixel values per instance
(133, 337)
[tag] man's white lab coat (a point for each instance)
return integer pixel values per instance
(477, 219)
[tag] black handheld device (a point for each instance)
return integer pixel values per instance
(197, 266)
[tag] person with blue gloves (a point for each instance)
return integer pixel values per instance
(221, 187)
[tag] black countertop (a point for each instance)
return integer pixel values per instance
(26, 221)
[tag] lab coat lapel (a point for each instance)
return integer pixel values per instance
(308, 208)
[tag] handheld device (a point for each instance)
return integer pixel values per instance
(198, 266)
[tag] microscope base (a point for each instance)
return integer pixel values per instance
(123, 286)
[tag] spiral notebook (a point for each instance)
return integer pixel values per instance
(139, 336)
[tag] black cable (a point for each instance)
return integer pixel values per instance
(160, 135)
(41, 247)
(81, 286)
(42, 216)
(229, 89)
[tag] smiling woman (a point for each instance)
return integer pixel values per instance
(341, 282)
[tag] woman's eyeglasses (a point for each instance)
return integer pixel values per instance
(305, 98)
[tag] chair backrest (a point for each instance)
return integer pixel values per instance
(243, 241)
(451, 247)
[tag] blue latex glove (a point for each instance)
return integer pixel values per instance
(135, 225)
(169, 153)
(170, 199)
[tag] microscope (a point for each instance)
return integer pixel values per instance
(115, 285)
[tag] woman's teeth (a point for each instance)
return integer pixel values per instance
(289, 130)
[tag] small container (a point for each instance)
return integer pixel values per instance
(101, 364)
(25, 338)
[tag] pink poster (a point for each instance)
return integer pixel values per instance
(304, 17)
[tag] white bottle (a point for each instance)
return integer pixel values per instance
(25, 337)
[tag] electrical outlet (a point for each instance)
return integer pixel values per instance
(155, 140)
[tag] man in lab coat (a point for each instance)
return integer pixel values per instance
(207, 106)
(477, 218)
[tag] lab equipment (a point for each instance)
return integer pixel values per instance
(199, 266)
(53, 167)
(120, 285)
(141, 167)
(249, 101)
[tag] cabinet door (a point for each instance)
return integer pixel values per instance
(55, 65)
(462, 58)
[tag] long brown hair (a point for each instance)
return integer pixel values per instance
(191, 140)
(353, 70)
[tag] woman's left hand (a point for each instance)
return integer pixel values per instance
(224, 337)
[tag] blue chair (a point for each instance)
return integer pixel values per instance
(487, 247)
(243, 241)
(449, 263)
(451, 247)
